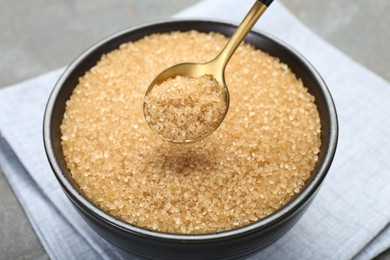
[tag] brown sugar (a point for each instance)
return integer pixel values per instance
(253, 164)
(183, 108)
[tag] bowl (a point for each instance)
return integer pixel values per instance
(237, 243)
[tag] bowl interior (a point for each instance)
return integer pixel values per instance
(311, 79)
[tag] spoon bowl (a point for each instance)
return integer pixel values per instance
(195, 70)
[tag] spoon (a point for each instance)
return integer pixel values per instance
(215, 67)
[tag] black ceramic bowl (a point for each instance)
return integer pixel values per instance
(236, 243)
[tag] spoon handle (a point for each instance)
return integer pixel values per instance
(243, 29)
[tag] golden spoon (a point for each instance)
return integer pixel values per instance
(214, 68)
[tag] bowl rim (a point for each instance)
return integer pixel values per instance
(288, 209)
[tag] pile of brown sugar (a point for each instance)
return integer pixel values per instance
(184, 108)
(253, 164)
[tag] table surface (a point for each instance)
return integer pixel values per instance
(33, 32)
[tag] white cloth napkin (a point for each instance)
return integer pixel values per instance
(350, 217)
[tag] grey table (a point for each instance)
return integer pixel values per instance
(38, 36)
